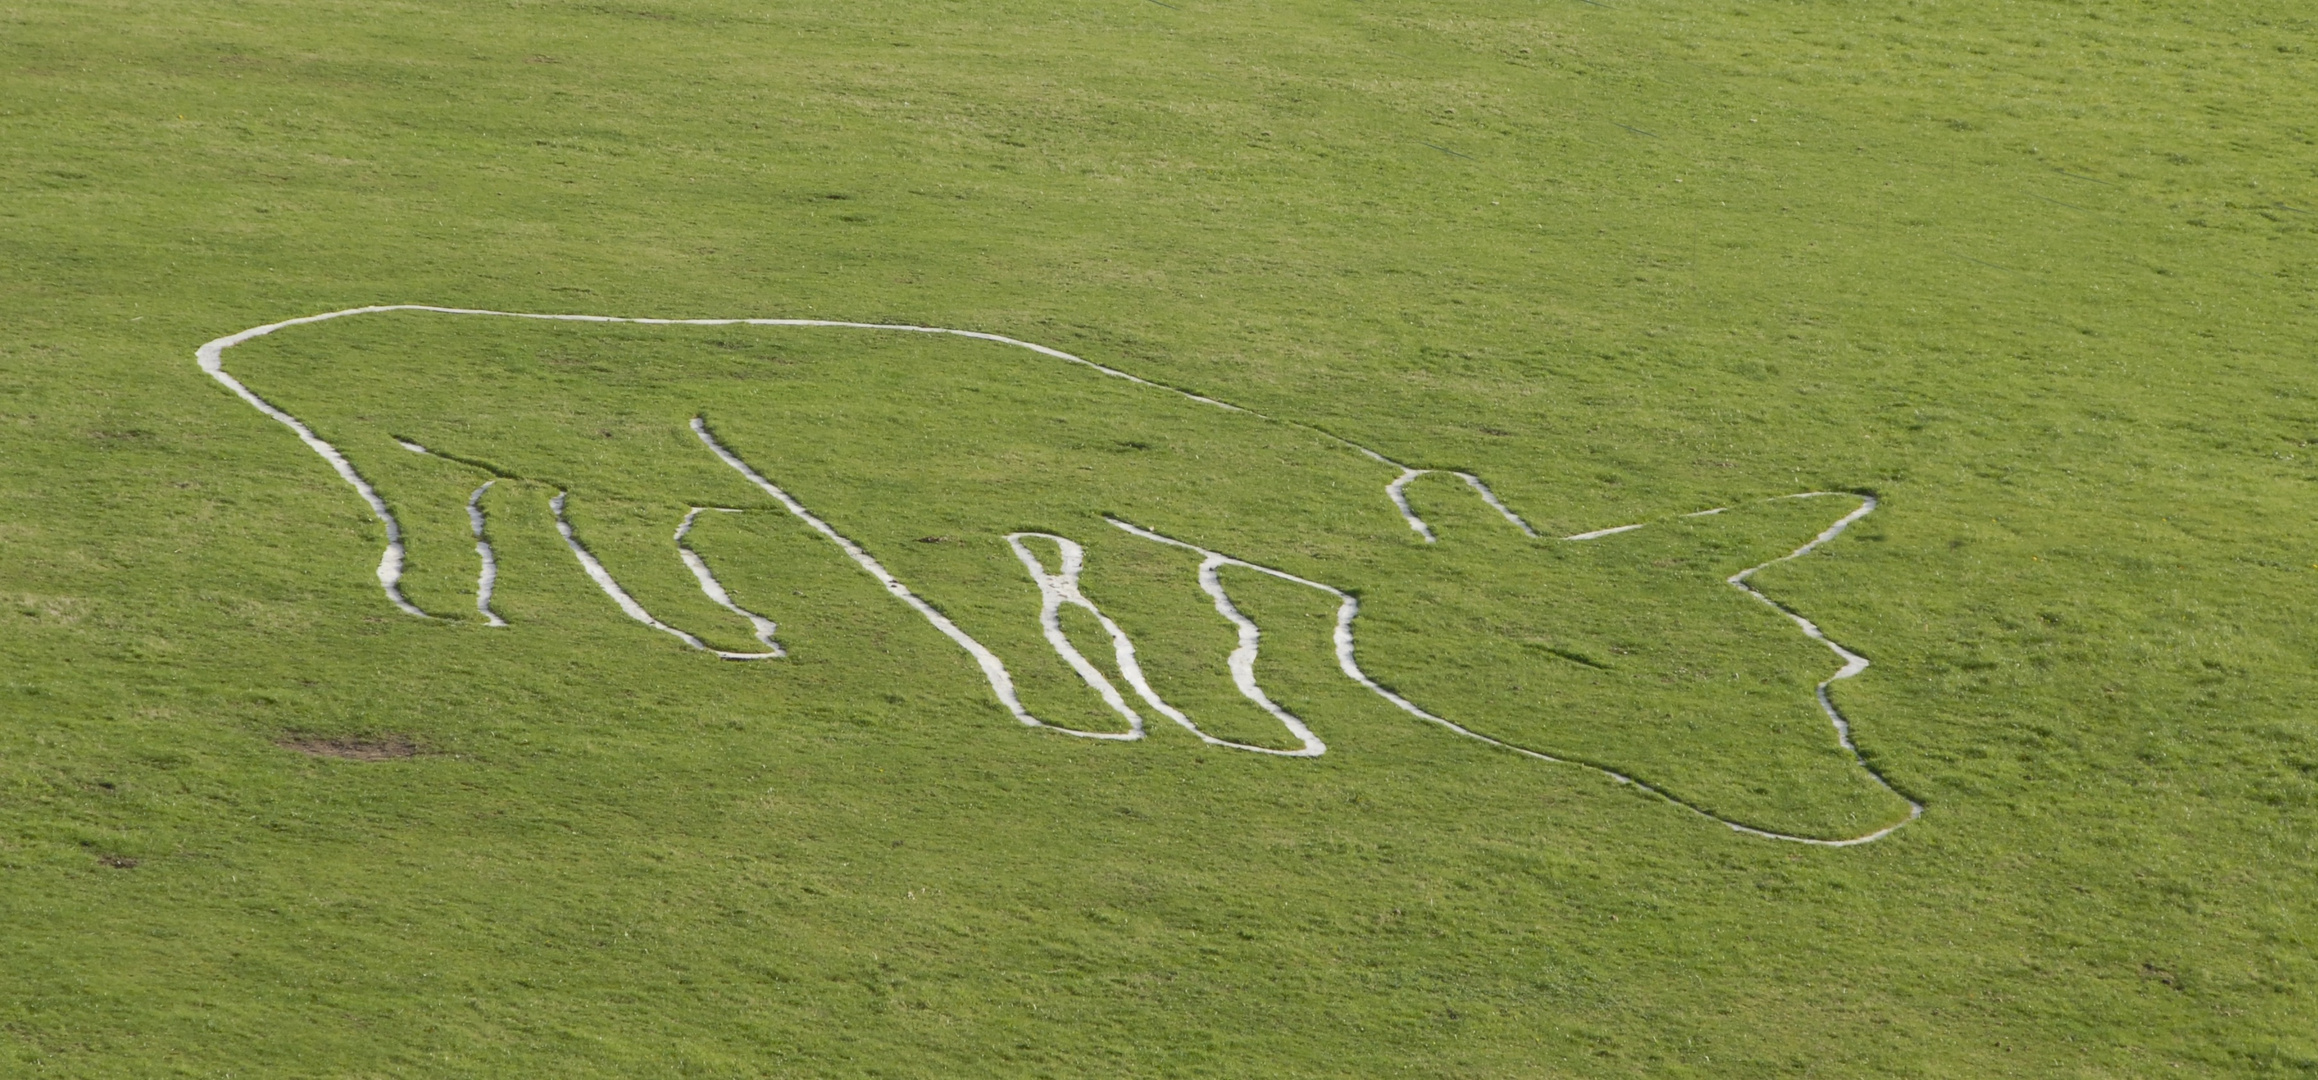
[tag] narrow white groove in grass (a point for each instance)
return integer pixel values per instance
(1397, 488)
(1243, 658)
(1000, 683)
(488, 577)
(1398, 492)
(211, 358)
(1490, 497)
(1599, 533)
(1348, 607)
(1242, 662)
(603, 578)
(765, 628)
(1853, 663)
(1057, 589)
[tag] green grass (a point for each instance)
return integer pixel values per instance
(2038, 275)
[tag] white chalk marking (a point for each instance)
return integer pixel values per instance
(714, 590)
(1349, 606)
(603, 577)
(1398, 491)
(1000, 683)
(1242, 661)
(389, 564)
(1057, 589)
(604, 581)
(1061, 588)
(1853, 663)
(487, 578)
(1490, 497)
(1599, 533)
(210, 355)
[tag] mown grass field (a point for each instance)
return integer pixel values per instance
(2038, 275)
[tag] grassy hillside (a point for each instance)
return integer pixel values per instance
(2038, 276)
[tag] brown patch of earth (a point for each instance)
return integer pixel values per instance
(351, 748)
(117, 862)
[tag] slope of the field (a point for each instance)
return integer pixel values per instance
(2038, 275)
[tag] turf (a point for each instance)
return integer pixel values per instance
(2036, 275)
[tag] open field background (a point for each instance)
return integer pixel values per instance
(2040, 275)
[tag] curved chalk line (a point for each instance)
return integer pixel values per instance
(1490, 497)
(1853, 663)
(995, 672)
(603, 580)
(1055, 590)
(390, 563)
(708, 584)
(488, 578)
(1062, 588)
(714, 589)
(1348, 607)
(210, 358)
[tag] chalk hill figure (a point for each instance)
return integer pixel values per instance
(989, 484)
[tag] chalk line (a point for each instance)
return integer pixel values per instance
(1599, 533)
(1056, 589)
(1000, 683)
(1348, 607)
(1853, 663)
(1490, 497)
(603, 579)
(488, 577)
(211, 355)
(714, 590)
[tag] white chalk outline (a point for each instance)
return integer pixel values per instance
(1057, 589)
(1000, 683)
(1052, 587)
(1490, 497)
(763, 627)
(1853, 663)
(487, 578)
(1348, 606)
(708, 584)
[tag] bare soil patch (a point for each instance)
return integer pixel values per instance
(352, 747)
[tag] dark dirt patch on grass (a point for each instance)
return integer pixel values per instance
(351, 747)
